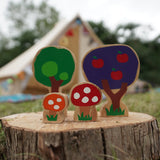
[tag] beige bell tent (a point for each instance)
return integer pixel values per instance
(76, 35)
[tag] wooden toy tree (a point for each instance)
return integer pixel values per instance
(54, 67)
(113, 68)
(85, 97)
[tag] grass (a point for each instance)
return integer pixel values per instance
(143, 102)
(52, 118)
(82, 118)
(111, 112)
(13, 108)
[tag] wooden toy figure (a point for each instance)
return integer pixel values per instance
(85, 97)
(55, 105)
(113, 68)
(54, 67)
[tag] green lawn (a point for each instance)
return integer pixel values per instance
(143, 102)
(146, 103)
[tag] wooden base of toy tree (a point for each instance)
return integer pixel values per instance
(133, 137)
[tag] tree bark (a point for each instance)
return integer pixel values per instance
(115, 97)
(55, 84)
(135, 137)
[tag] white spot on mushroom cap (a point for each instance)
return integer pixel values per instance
(56, 107)
(85, 99)
(76, 95)
(87, 90)
(95, 99)
(50, 102)
(59, 100)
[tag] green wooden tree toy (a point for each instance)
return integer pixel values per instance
(54, 67)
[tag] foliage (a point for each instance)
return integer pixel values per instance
(39, 19)
(59, 65)
(52, 118)
(25, 15)
(111, 112)
(2, 144)
(109, 67)
(104, 33)
(148, 54)
(86, 118)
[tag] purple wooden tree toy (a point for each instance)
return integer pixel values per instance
(113, 68)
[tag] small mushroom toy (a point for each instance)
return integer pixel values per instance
(54, 107)
(85, 97)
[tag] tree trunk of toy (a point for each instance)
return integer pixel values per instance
(133, 137)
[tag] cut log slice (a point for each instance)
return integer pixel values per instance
(133, 137)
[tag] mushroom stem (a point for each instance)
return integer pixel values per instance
(93, 113)
(85, 110)
(52, 113)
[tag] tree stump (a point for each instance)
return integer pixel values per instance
(135, 137)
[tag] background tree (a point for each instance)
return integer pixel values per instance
(40, 18)
(54, 67)
(104, 33)
(29, 23)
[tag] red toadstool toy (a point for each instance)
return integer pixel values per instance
(85, 96)
(54, 107)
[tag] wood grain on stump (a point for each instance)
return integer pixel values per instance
(135, 137)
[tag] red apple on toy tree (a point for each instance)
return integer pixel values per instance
(116, 75)
(122, 57)
(97, 63)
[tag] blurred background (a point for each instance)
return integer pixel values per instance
(25, 23)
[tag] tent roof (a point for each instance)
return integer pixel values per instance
(22, 61)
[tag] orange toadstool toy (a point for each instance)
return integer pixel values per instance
(55, 107)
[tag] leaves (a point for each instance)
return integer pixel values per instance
(104, 33)
(86, 118)
(52, 118)
(50, 68)
(111, 112)
(29, 22)
(63, 76)
(54, 62)
(26, 15)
